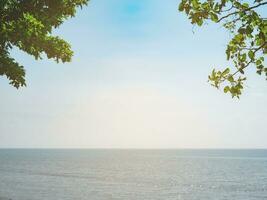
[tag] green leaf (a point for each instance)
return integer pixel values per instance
(251, 55)
(199, 22)
(214, 17)
(226, 89)
(230, 79)
(225, 72)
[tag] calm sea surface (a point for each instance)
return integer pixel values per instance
(133, 174)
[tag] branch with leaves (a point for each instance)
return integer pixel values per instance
(248, 46)
(28, 24)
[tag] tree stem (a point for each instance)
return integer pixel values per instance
(247, 9)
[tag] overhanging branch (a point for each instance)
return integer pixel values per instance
(244, 10)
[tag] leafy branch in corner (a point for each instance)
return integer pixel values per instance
(248, 46)
(28, 25)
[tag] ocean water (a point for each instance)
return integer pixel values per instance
(133, 174)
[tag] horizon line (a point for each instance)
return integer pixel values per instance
(104, 148)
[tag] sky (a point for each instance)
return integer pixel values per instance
(138, 79)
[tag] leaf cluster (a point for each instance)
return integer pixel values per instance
(248, 45)
(28, 25)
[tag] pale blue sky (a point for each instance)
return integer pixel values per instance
(138, 79)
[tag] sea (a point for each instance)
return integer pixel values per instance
(116, 174)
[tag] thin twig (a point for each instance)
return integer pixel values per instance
(251, 60)
(247, 9)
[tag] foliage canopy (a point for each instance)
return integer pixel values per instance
(248, 45)
(27, 24)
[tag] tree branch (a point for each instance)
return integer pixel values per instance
(247, 9)
(257, 49)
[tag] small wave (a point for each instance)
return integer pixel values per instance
(5, 198)
(49, 174)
